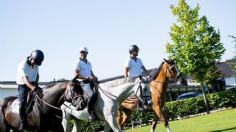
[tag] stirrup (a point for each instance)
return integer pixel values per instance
(22, 127)
(91, 117)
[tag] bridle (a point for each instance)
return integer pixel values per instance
(70, 91)
(171, 78)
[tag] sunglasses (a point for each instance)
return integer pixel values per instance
(83, 52)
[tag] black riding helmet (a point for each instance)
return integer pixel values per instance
(37, 56)
(133, 48)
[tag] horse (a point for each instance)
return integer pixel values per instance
(110, 96)
(46, 114)
(158, 83)
(2, 127)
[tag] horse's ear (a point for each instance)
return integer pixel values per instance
(165, 60)
(74, 79)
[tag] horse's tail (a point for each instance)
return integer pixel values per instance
(6, 102)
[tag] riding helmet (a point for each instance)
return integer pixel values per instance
(84, 49)
(133, 48)
(37, 56)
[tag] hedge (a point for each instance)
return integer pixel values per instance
(181, 108)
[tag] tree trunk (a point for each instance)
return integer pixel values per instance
(205, 98)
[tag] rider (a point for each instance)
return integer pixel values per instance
(83, 71)
(27, 79)
(134, 65)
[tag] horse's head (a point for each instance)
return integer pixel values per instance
(74, 94)
(172, 71)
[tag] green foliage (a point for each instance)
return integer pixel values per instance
(233, 66)
(196, 105)
(196, 45)
(191, 106)
(175, 109)
(88, 126)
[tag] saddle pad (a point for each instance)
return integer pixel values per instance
(15, 106)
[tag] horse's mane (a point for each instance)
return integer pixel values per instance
(50, 85)
(154, 73)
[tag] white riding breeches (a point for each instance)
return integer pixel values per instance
(87, 88)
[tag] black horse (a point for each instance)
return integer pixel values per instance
(2, 127)
(46, 114)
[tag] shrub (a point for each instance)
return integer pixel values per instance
(181, 108)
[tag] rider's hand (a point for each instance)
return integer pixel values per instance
(39, 92)
(92, 78)
(33, 89)
(128, 79)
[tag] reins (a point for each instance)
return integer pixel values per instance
(54, 107)
(104, 91)
(107, 93)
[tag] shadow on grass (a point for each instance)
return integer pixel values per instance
(221, 130)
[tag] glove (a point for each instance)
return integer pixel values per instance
(128, 79)
(39, 92)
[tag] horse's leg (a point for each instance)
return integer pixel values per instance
(110, 118)
(125, 117)
(77, 126)
(126, 114)
(107, 127)
(157, 107)
(7, 128)
(154, 122)
(123, 114)
(17, 130)
(42, 129)
(119, 117)
(2, 125)
(59, 127)
(66, 121)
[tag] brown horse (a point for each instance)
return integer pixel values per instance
(167, 72)
(46, 114)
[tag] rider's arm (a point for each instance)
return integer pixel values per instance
(27, 83)
(77, 76)
(126, 71)
(37, 79)
(94, 77)
(144, 69)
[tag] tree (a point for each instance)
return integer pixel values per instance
(232, 63)
(195, 45)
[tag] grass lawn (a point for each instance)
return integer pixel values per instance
(216, 122)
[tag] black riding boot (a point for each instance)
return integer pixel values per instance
(91, 103)
(22, 117)
(22, 125)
